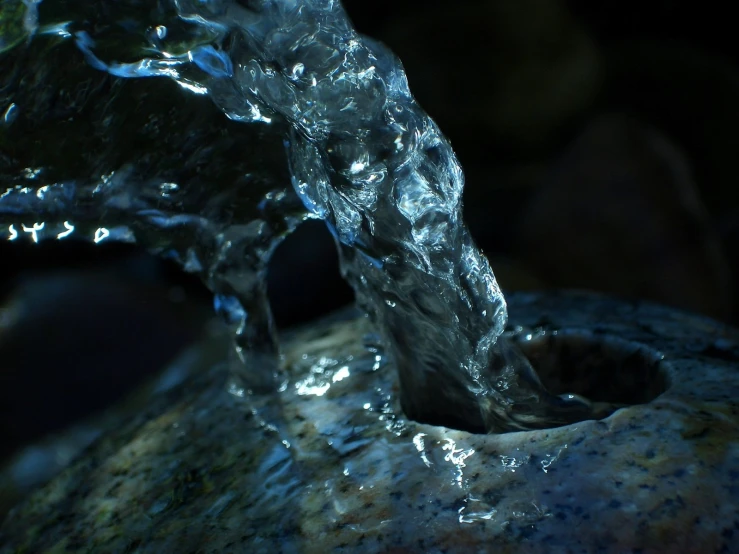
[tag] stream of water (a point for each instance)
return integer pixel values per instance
(112, 127)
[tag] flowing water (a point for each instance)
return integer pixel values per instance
(112, 127)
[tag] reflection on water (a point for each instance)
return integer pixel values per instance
(96, 144)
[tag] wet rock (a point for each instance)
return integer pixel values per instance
(80, 341)
(76, 341)
(331, 464)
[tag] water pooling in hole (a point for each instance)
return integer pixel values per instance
(96, 144)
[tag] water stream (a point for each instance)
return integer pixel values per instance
(112, 127)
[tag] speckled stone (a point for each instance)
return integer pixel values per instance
(331, 465)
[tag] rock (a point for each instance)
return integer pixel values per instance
(36, 462)
(691, 94)
(76, 341)
(626, 216)
(331, 465)
(102, 335)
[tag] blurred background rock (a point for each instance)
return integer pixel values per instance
(599, 141)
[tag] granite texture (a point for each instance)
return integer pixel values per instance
(331, 465)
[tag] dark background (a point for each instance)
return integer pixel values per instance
(599, 140)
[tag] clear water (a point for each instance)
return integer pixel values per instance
(113, 128)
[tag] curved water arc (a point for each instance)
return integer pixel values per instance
(364, 157)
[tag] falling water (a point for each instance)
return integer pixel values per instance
(98, 141)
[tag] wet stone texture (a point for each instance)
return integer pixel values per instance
(330, 464)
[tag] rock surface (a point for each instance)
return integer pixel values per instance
(331, 465)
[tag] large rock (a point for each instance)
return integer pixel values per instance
(329, 464)
(628, 218)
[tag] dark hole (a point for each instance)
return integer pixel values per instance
(610, 372)
(600, 368)
(303, 280)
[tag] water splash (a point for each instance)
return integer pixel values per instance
(95, 144)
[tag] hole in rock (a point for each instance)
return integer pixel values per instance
(599, 367)
(610, 372)
(303, 279)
